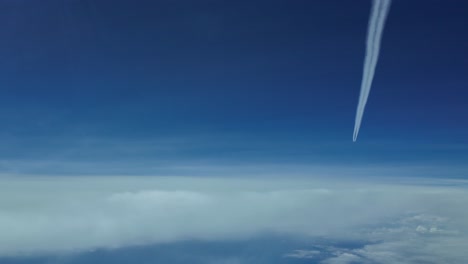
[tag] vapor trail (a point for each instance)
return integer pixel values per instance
(377, 19)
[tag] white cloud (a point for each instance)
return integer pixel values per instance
(344, 258)
(404, 222)
(404, 240)
(301, 253)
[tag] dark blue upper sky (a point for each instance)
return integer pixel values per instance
(144, 84)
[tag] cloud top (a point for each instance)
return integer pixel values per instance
(55, 215)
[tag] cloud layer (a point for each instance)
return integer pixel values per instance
(55, 215)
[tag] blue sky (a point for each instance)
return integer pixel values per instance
(242, 105)
(242, 81)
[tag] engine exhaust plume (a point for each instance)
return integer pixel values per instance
(377, 19)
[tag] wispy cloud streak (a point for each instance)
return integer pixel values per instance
(378, 16)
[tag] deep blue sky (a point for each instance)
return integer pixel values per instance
(132, 87)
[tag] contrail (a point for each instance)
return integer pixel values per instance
(377, 19)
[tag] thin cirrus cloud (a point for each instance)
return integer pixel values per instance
(52, 215)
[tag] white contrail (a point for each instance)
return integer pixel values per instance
(377, 19)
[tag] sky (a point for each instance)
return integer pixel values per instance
(120, 119)
(236, 82)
